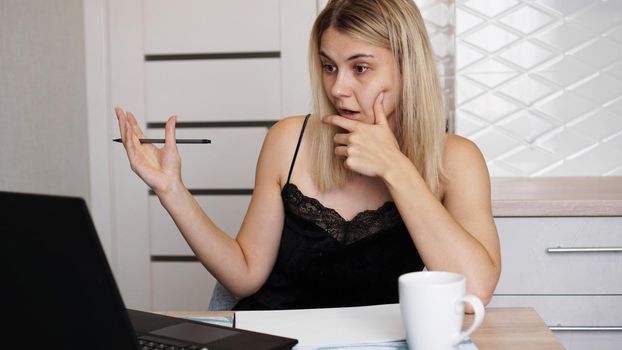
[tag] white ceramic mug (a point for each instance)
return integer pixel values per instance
(432, 306)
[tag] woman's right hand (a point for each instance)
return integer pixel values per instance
(159, 168)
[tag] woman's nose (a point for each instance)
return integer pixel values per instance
(341, 86)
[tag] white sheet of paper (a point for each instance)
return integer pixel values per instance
(333, 326)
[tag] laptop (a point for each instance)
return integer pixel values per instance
(58, 290)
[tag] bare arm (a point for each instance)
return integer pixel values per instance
(458, 234)
(242, 265)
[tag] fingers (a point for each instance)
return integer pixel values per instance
(341, 151)
(169, 132)
(126, 119)
(129, 141)
(135, 126)
(379, 116)
(122, 121)
(341, 122)
(342, 139)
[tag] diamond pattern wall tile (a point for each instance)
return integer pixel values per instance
(615, 172)
(526, 125)
(500, 169)
(467, 56)
(490, 8)
(490, 107)
(600, 125)
(469, 124)
(527, 90)
(565, 36)
(527, 19)
(439, 45)
(602, 16)
(600, 159)
(616, 70)
(527, 54)
(615, 143)
(566, 143)
(491, 38)
(490, 73)
(600, 53)
(440, 23)
(600, 89)
(422, 4)
(566, 7)
(539, 85)
(494, 143)
(615, 34)
(438, 15)
(467, 90)
(467, 21)
(565, 72)
(616, 106)
(530, 160)
(566, 107)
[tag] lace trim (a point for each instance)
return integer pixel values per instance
(364, 224)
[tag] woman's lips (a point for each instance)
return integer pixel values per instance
(347, 113)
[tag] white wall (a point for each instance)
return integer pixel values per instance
(43, 120)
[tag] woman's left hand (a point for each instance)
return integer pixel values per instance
(368, 149)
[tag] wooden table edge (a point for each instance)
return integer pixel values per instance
(503, 328)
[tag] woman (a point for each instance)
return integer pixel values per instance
(365, 189)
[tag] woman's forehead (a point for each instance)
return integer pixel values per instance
(336, 44)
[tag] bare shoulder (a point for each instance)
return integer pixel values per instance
(464, 167)
(459, 153)
(280, 144)
(284, 133)
(287, 127)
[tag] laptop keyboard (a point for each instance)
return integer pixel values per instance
(148, 342)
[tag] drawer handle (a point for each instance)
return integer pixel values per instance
(585, 250)
(585, 328)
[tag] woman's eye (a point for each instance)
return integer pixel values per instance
(360, 69)
(329, 68)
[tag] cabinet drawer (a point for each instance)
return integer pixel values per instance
(528, 267)
(190, 26)
(228, 162)
(588, 340)
(181, 286)
(226, 211)
(567, 311)
(213, 90)
(582, 313)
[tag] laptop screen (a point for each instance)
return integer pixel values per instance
(57, 283)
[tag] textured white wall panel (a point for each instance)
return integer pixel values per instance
(539, 85)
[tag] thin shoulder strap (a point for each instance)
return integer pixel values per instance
(302, 131)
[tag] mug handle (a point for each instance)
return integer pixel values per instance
(479, 316)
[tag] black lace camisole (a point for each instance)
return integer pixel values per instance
(327, 261)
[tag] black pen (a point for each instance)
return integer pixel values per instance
(177, 140)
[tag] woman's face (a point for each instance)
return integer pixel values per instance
(354, 74)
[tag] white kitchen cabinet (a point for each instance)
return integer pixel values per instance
(561, 251)
(533, 264)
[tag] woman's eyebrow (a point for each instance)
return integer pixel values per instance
(360, 55)
(353, 57)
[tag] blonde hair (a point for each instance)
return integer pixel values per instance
(420, 121)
